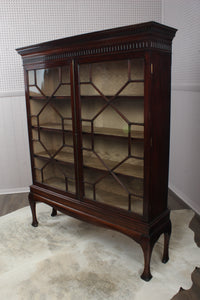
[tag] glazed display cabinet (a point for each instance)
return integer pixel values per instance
(98, 109)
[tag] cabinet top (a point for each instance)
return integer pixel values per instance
(144, 35)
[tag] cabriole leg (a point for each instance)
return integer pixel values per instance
(33, 210)
(167, 235)
(147, 247)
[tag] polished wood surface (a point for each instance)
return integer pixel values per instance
(105, 37)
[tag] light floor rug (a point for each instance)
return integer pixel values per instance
(65, 258)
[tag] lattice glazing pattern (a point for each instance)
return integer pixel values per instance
(49, 93)
(112, 116)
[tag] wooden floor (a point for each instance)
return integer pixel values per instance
(12, 202)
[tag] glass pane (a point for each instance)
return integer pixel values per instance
(133, 89)
(63, 90)
(31, 77)
(34, 91)
(109, 77)
(137, 69)
(65, 73)
(47, 80)
(50, 82)
(117, 195)
(112, 116)
(51, 120)
(57, 172)
(56, 175)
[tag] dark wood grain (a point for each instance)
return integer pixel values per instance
(137, 31)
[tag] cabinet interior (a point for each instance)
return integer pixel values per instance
(112, 129)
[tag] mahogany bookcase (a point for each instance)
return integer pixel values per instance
(98, 110)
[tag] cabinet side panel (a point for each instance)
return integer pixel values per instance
(160, 121)
(29, 122)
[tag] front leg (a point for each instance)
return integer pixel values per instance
(33, 210)
(147, 246)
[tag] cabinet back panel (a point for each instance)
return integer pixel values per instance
(110, 77)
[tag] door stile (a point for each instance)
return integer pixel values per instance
(147, 133)
(77, 129)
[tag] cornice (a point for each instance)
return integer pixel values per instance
(137, 45)
(142, 29)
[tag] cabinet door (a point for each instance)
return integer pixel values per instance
(112, 120)
(51, 128)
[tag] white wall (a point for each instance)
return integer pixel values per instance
(24, 23)
(15, 175)
(184, 177)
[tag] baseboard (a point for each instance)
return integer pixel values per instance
(14, 191)
(194, 206)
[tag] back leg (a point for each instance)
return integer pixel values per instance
(54, 212)
(167, 235)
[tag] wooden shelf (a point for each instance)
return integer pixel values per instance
(114, 132)
(103, 131)
(63, 157)
(54, 127)
(96, 97)
(48, 97)
(132, 170)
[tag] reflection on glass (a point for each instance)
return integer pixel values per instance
(47, 80)
(34, 91)
(112, 114)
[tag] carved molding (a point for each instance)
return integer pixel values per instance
(130, 46)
